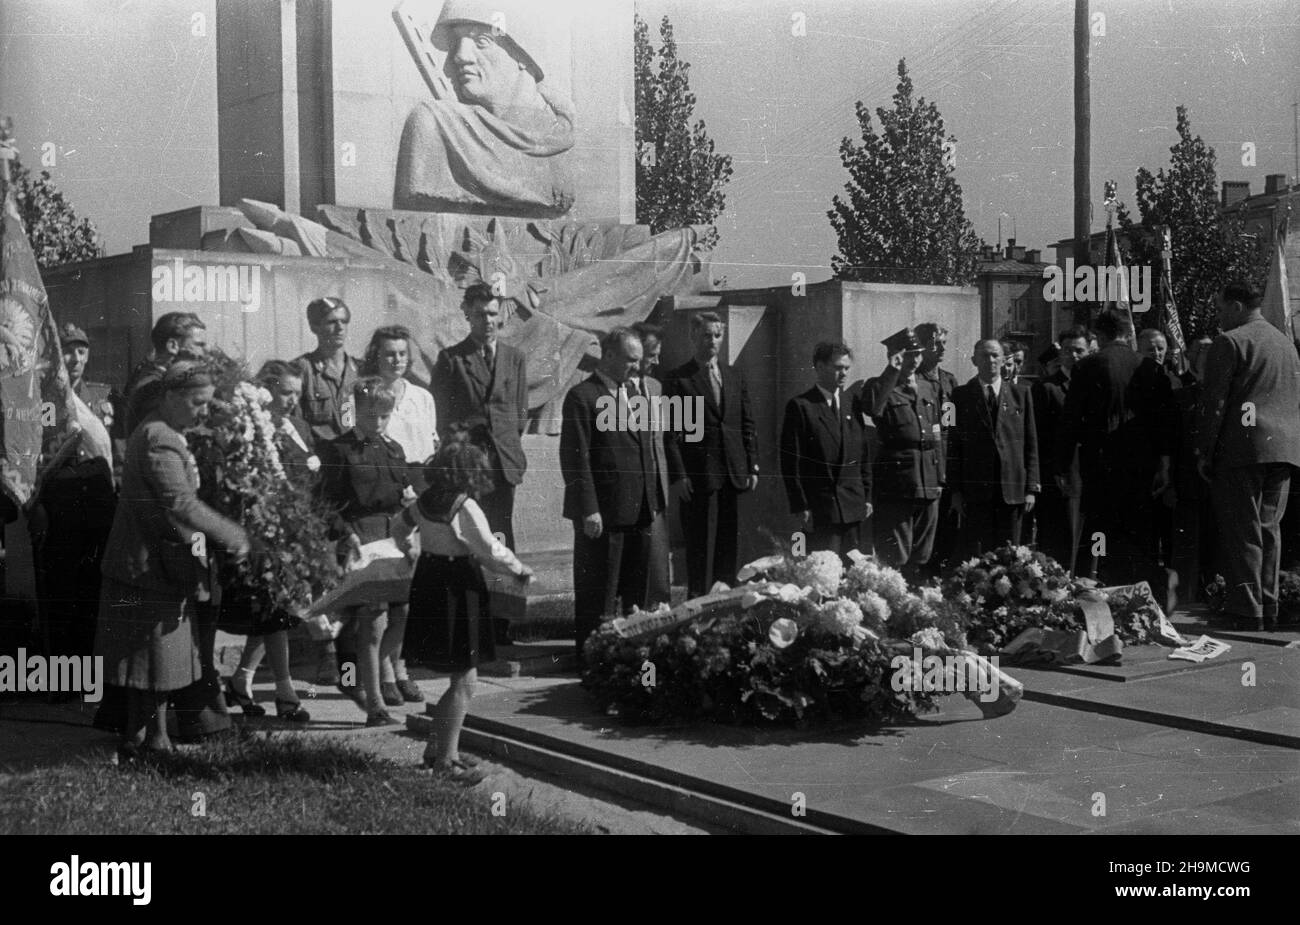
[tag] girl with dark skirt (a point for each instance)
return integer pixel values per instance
(267, 632)
(449, 599)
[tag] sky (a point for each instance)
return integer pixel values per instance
(1001, 72)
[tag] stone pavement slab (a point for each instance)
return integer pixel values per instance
(1038, 770)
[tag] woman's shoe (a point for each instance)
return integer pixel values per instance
(244, 702)
(380, 718)
(410, 693)
(392, 696)
(291, 710)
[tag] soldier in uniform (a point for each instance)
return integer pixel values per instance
(328, 372)
(933, 338)
(175, 334)
(909, 468)
(73, 514)
(329, 375)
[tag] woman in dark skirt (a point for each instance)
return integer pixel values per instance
(155, 566)
(448, 595)
(242, 614)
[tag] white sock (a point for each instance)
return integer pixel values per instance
(243, 681)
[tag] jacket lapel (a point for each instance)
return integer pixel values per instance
(477, 369)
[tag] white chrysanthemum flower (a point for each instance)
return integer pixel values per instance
(929, 638)
(931, 596)
(1003, 585)
(874, 607)
(1034, 569)
(822, 571)
(839, 616)
(1024, 554)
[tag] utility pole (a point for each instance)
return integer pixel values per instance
(1082, 151)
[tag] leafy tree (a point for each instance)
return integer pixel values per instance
(56, 234)
(1210, 248)
(902, 220)
(679, 178)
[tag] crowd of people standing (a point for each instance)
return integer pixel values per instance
(1125, 461)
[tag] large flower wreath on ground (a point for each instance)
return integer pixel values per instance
(801, 641)
(1009, 590)
(241, 476)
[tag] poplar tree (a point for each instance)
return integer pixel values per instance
(901, 218)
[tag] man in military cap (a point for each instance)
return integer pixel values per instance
(933, 338)
(492, 137)
(909, 467)
(73, 512)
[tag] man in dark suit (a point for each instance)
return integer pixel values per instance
(992, 454)
(1246, 446)
(909, 469)
(825, 460)
(668, 463)
(612, 491)
(1119, 416)
(1057, 511)
(720, 466)
(483, 384)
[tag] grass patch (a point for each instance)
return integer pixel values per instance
(258, 785)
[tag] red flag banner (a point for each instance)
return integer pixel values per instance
(35, 394)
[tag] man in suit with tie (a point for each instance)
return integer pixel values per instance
(1119, 417)
(719, 467)
(825, 461)
(612, 491)
(1247, 444)
(668, 463)
(992, 454)
(483, 384)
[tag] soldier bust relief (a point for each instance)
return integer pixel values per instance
(493, 139)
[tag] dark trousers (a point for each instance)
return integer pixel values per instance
(905, 529)
(499, 507)
(1052, 526)
(990, 523)
(947, 537)
(659, 585)
(78, 518)
(1119, 518)
(1249, 503)
(605, 570)
(710, 523)
(836, 538)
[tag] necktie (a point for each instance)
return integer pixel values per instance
(487, 355)
(992, 399)
(715, 381)
(632, 388)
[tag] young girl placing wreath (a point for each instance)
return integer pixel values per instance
(449, 599)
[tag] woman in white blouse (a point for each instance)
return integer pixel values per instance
(449, 599)
(414, 425)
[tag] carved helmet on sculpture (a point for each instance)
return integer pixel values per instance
(511, 22)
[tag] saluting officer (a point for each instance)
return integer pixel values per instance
(909, 468)
(933, 338)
